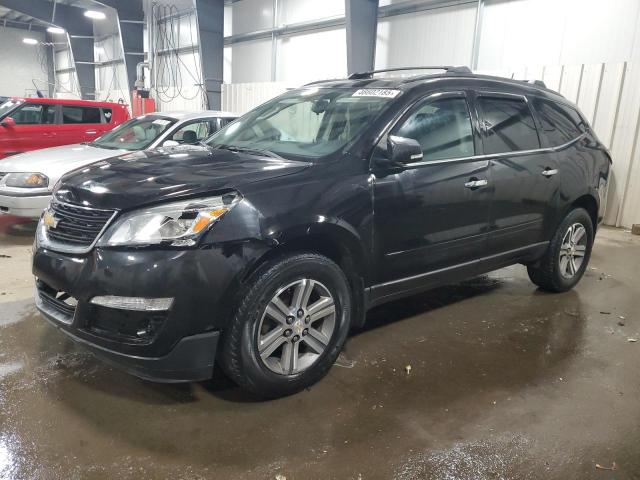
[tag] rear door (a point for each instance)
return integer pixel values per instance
(524, 181)
(433, 215)
(34, 129)
(80, 124)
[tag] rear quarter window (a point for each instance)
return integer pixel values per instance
(73, 114)
(107, 113)
(560, 123)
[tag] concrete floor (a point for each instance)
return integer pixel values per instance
(505, 382)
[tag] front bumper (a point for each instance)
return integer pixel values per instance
(182, 342)
(191, 360)
(20, 206)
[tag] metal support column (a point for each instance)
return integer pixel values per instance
(131, 25)
(210, 19)
(362, 25)
(477, 35)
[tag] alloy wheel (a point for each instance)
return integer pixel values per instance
(572, 250)
(296, 327)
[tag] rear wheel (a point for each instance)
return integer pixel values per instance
(290, 326)
(567, 256)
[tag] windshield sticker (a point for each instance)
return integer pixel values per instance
(161, 122)
(376, 92)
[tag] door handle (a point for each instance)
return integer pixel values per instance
(91, 132)
(476, 183)
(49, 134)
(549, 172)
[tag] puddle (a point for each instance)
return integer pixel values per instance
(7, 369)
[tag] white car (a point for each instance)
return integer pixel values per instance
(26, 180)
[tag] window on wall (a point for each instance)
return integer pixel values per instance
(509, 125)
(34, 114)
(80, 114)
(560, 124)
(442, 127)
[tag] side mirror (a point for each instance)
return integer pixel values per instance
(8, 122)
(170, 143)
(402, 150)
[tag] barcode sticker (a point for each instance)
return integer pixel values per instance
(376, 92)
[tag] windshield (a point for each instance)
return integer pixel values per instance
(7, 106)
(311, 122)
(136, 134)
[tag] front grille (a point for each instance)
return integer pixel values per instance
(78, 226)
(60, 304)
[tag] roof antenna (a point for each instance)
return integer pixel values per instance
(513, 74)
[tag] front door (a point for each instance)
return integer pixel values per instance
(33, 129)
(523, 175)
(433, 215)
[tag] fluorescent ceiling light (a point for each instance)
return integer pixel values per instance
(56, 30)
(30, 41)
(95, 15)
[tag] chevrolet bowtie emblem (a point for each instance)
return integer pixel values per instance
(49, 219)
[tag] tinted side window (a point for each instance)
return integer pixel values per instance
(107, 114)
(442, 127)
(193, 132)
(509, 125)
(34, 114)
(80, 115)
(560, 124)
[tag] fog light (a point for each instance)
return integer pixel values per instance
(134, 303)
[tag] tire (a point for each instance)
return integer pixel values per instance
(260, 325)
(559, 269)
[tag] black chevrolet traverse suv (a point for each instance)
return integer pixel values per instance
(261, 247)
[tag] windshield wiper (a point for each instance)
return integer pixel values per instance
(97, 145)
(250, 151)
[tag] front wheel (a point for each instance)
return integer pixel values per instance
(567, 256)
(290, 326)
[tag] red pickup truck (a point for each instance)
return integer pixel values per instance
(34, 123)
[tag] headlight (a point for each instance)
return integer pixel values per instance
(177, 224)
(27, 180)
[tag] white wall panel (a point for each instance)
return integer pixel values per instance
(111, 80)
(609, 101)
(242, 97)
(590, 89)
(67, 85)
(556, 32)
(23, 61)
(295, 11)
(178, 89)
(251, 15)
(251, 61)
(570, 82)
(317, 55)
(435, 37)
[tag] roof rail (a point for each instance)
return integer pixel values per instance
(448, 69)
(538, 83)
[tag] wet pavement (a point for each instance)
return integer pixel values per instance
(505, 382)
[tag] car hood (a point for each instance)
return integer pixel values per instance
(55, 162)
(152, 176)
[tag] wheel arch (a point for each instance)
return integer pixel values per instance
(338, 243)
(590, 203)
